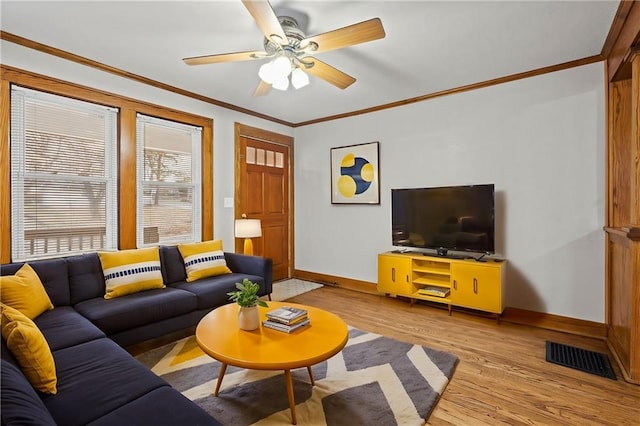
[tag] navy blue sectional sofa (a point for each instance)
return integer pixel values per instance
(100, 383)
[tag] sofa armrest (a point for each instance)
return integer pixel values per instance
(252, 265)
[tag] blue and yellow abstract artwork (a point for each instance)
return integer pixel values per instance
(355, 174)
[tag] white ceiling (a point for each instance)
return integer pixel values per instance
(429, 46)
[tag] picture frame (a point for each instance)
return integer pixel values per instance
(355, 174)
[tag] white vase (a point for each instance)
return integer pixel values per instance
(248, 318)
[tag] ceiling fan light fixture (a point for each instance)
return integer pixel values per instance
(281, 83)
(299, 78)
(276, 70)
(281, 66)
(266, 73)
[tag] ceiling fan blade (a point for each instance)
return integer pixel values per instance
(348, 36)
(327, 72)
(266, 19)
(262, 89)
(225, 57)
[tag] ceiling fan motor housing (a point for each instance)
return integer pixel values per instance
(294, 36)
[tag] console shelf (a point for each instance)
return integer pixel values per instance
(454, 282)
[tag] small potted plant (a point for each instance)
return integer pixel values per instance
(247, 297)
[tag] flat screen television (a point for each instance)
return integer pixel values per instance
(459, 218)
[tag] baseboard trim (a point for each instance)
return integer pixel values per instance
(511, 315)
(340, 282)
(615, 346)
(555, 322)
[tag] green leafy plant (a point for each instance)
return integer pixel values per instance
(247, 294)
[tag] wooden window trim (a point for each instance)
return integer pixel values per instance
(126, 150)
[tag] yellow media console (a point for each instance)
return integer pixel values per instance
(454, 282)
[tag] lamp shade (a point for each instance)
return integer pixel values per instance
(281, 67)
(281, 83)
(266, 73)
(248, 228)
(299, 78)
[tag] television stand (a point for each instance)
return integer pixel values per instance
(454, 282)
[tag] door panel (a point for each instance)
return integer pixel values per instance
(273, 248)
(477, 287)
(262, 192)
(393, 275)
(275, 188)
(254, 194)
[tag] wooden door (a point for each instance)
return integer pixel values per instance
(263, 192)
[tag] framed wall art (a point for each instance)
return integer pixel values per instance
(355, 174)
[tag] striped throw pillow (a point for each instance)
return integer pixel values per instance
(205, 259)
(131, 271)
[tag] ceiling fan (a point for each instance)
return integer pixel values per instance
(290, 50)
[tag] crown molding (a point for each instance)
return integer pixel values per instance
(12, 38)
(141, 79)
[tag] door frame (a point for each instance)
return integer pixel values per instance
(242, 130)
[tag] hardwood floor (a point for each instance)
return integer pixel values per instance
(502, 377)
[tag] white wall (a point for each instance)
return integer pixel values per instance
(540, 140)
(223, 125)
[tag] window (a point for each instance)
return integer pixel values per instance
(63, 175)
(168, 170)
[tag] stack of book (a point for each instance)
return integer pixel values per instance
(434, 291)
(286, 319)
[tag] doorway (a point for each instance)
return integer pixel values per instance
(263, 190)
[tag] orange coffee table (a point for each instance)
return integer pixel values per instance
(219, 337)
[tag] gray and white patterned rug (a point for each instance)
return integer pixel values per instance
(374, 380)
(286, 289)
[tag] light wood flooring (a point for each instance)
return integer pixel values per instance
(502, 377)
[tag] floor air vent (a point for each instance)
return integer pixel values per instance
(580, 359)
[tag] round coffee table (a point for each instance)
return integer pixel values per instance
(219, 337)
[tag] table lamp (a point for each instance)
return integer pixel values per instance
(247, 229)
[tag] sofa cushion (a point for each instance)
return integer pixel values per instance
(86, 279)
(212, 292)
(251, 265)
(131, 271)
(95, 378)
(134, 310)
(20, 404)
(29, 347)
(52, 273)
(24, 291)
(205, 259)
(6, 354)
(172, 265)
(162, 406)
(64, 327)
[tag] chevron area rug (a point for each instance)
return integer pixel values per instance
(374, 380)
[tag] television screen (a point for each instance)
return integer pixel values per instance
(445, 218)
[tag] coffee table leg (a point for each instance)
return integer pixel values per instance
(223, 369)
(292, 403)
(313, 382)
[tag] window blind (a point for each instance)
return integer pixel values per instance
(168, 181)
(63, 175)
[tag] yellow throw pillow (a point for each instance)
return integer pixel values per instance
(24, 291)
(131, 271)
(205, 259)
(28, 345)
